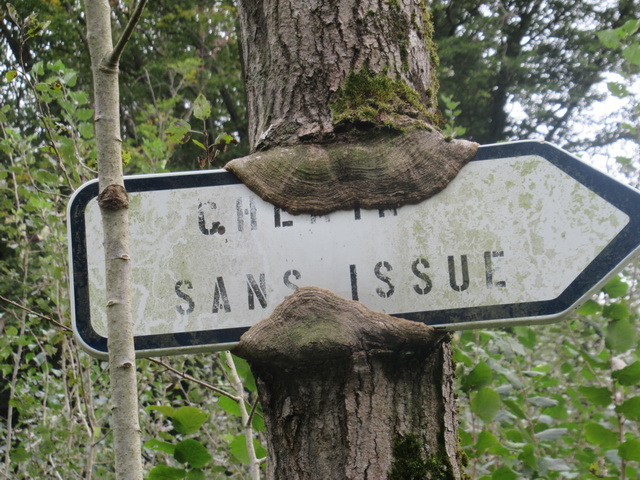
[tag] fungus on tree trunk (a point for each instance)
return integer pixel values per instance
(342, 105)
(342, 114)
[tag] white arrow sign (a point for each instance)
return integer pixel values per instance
(522, 235)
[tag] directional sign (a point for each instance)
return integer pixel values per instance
(522, 235)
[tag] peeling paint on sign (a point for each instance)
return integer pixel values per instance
(507, 242)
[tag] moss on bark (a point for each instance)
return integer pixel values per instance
(410, 463)
(370, 100)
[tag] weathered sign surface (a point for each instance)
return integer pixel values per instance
(523, 235)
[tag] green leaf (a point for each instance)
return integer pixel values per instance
(10, 75)
(477, 378)
(165, 410)
(161, 446)
(551, 434)
(527, 336)
(189, 419)
(192, 452)
(504, 473)
(257, 421)
(200, 144)
(86, 129)
(13, 14)
(632, 54)
(487, 442)
(201, 107)
(553, 464)
(609, 38)
(196, 475)
(486, 404)
(543, 402)
(599, 396)
(515, 408)
(242, 367)
(163, 472)
(596, 434)
(630, 27)
(84, 114)
(618, 89)
(615, 311)
(630, 409)
(528, 456)
(224, 138)
(238, 449)
(177, 130)
(629, 375)
(19, 454)
(230, 406)
(621, 335)
(589, 308)
(37, 69)
(616, 288)
(630, 450)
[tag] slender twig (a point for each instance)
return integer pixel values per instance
(186, 376)
(254, 464)
(253, 411)
(113, 59)
(39, 315)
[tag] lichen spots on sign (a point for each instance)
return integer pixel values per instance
(525, 200)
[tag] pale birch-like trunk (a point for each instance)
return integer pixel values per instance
(113, 205)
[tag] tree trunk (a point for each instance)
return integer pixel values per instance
(341, 100)
(113, 203)
(332, 86)
(297, 55)
(348, 393)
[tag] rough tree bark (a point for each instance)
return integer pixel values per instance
(341, 98)
(113, 203)
(342, 105)
(351, 393)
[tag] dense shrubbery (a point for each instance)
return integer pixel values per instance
(556, 401)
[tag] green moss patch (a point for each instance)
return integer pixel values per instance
(409, 462)
(368, 100)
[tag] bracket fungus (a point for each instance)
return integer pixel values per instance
(374, 171)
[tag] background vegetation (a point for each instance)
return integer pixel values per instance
(545, 402)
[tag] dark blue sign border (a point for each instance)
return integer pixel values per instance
(613, 257)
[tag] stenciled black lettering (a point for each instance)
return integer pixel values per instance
(452, 273)
(381, 212)
(384, 278)
(251, 212)
(354, 282)
(288, 274)
(220, 297)
(314, 218)
(277, 220)
(202, 222)
(489, 271)
(253, 290)
(426, 288)
(192, 305)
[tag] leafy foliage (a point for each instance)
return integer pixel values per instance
(558, 401)
(543, 57)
